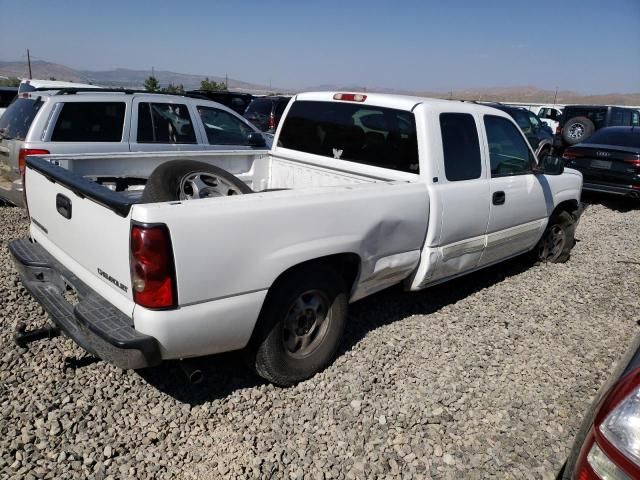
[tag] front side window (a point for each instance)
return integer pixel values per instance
(508, 151)
(165, 123)
(90, 122)
(382, 137)
(460, 146)
(223, 128)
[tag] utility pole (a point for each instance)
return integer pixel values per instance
(555, 97)
(29, 63)
(153, 73)
(226, 81)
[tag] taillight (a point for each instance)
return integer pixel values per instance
(24, 152)
(350, 97)
(22, 166)
(152, 269)
(633, 160)
(612, 449)
(558, 130)
(569, 155)
(271, 123)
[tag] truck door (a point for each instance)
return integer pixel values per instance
(459, 198)
(518, 207)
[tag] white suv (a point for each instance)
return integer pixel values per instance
(77, 121)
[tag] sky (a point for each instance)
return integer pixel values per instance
(587, 46)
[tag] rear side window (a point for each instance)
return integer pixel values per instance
(508, 151)
(460, 146)
(165, 123)
(620, 117)
(89, 122)
(615, 136)
(382, 137)
(597, 115)
(16, 120)
(223, 128)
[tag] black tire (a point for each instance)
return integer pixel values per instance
(577, 129)
(164, 182)
(270, 354)
(561, 226)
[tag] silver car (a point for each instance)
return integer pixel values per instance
(77, 121)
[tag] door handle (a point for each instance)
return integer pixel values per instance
(63, 205)
(499, 198)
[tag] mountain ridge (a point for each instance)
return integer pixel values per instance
(131, 78)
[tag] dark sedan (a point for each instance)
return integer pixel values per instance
(609, 161)
(607, 445)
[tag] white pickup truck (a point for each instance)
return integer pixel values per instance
(264, 251)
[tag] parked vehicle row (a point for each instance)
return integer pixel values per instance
(609, 161)
(538, 134)
(75, 121)
(579, 122)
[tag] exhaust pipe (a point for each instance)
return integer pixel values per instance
(192, 372)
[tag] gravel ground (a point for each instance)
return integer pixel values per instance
(484, 377)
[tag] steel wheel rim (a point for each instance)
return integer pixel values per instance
(306, 323)
(205, 185)
(553, 244)
(576, 130)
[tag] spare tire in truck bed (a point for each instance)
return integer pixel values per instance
(188, 180)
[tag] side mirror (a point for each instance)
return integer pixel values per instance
(256, 140)
(551, 165)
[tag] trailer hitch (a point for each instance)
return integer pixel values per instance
(22, 337)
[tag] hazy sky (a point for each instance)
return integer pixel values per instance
(589, 46)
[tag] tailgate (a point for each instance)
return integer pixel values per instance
(84, 226)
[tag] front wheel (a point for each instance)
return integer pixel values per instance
(301, 326)
(558, 239)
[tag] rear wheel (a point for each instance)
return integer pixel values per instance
(558, 239)
(300, 326)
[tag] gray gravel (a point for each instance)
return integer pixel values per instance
(485, 377)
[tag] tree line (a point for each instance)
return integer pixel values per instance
(151, 84)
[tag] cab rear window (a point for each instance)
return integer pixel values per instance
(382, 137)
(16, 120)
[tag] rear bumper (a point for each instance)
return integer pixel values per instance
(93, 323)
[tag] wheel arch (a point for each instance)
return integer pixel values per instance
(571, 206)
(347, 264)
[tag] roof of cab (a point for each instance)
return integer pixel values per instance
(403, 102)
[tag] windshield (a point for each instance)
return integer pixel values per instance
(16, 120)
(260, 106)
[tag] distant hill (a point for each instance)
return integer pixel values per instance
(123, 77)
(120, 77)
